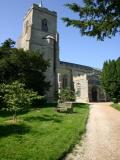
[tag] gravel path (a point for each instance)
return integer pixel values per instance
(102, 139)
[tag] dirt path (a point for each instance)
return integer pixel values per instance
(102, 139)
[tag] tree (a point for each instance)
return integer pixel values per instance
(66, 95)
(26, 66)
(6, 47)
(110, 78)
(16, 98)
(9, 43)
(98, 18)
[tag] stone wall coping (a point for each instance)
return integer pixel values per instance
(45, 10)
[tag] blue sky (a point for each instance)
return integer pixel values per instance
(73, 47)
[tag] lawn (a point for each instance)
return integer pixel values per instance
(116, 106)
(41, 134)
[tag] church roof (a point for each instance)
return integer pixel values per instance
(79, 66)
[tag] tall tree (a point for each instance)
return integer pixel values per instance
(7, 44)
(98, 18)
(118, 74)
(26, 66)
(110, 78)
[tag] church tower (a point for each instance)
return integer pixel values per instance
(40, 33)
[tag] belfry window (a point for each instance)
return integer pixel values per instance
(44, 26)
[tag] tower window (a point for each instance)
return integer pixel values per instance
(44, 25)
(26, 26)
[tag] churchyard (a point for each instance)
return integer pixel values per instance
(42, 133)
(33, 128)
(30, 128)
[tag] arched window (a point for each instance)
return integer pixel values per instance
(44, 25)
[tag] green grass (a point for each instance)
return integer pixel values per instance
(116, 106)
(41, 134)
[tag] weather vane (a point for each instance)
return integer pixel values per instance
(41, 4)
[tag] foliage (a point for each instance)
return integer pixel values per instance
(114, 100)
(25, 66)
(66, 95)
(16, 98)
(44, 134)
(110, 79)
(9, 43)
(100, 18)
(116, 106)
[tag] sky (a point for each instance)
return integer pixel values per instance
(74, 48)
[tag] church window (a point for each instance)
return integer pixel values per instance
(44, 25)
(78, 88)
(65, 82)
(26, 27)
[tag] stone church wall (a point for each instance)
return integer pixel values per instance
(40, 34)
(85, 82)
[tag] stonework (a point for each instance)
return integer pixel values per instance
(84, 80)
(40, 34)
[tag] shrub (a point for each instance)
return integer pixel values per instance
(114, 100)
(15, 98)
(66, 95)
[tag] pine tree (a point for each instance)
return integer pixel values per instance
(98, 18)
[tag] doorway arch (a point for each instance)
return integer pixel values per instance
(94, 94)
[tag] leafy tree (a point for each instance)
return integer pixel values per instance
(25, 66)
(110, 78)
(16, 98)
(98, 18)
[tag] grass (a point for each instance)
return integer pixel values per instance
(116, 106)
(42, 134)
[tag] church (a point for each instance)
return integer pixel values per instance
(40, 33)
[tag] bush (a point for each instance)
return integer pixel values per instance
(114, 100)
(66, 95)
(15, 98)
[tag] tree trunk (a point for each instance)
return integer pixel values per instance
(14, 117)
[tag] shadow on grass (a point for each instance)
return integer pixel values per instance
(55, 118)
(13, 129)
(80, 105)
(48, 105)
(8, 114)
(5, 114)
